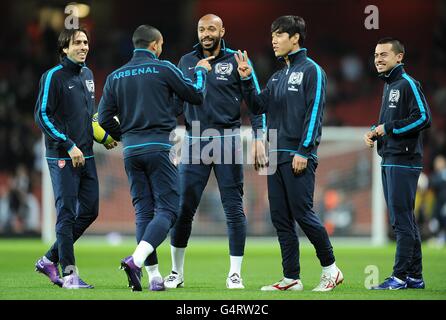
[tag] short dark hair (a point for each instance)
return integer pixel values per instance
(290, 25)
(64, 39)
(397, 45)
(144, 35)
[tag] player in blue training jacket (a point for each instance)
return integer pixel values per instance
(64, 110)
(216, 125)
(140, 94)
(294, 100)
(404, 115)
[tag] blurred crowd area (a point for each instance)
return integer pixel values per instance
(338, 42)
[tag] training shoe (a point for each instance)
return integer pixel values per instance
(413, 283)
(73, 281)
(174, 280)
(282, 285)
(329, 281)
(234, 282)
(51, 270)
(133, 272)
(157, 284)
(391, 283)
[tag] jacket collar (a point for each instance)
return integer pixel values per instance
(144, 53)
(296, 56)
(393, 74)
(71, 65)
(199, 49)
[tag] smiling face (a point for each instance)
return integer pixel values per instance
(210, 31)
(385, 58)
(78, 47)
(283, 44)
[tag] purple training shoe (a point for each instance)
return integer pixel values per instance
(51, 270)
(157, 284)
(133, 272)
(73, 281)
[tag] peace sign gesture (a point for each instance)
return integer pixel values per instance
(244, 69)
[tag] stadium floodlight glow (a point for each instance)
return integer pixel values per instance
(81, 10)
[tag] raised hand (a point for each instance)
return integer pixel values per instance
(205, 63)
(244, 69)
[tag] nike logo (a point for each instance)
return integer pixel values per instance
(277, 286)
(70, 87)
(330, 285)
(190, 68)
(274, 79)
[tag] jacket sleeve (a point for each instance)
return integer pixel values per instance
(177, 101)
(46, 110)
(314, 87)
(107, 109)
(419, 116)
(256, 99)
(258, 121)
(185, 88)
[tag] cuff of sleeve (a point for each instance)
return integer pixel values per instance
(302, 152)
(258, 134)
(388, 129)
(69, 145)
(200, 68)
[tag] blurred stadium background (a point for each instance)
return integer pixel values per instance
(337, 40)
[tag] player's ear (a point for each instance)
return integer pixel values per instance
(222, 32)
(399, 57)
(65, 50)
(295, 38)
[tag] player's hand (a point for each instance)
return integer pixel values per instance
(205, 63)
(380, 130)
(368, 138)
(244, 69)
(299, 164)
(259, 155)
(111, 145)
(77, 157)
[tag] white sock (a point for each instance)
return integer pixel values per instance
(153, 271)
(330, 269)
(236, 265)
(142, 251)
(46, 260)
(177, 255)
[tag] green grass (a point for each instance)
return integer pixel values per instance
(206, 269)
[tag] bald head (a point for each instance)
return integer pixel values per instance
(211, 18)
(210, 31)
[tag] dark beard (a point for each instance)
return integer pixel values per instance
(214, 46)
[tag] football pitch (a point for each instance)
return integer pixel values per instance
(206, 268)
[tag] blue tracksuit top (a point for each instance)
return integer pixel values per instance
(404, 113)
(64, 109)
(140, 94)
(294, 99)
(223, 98)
